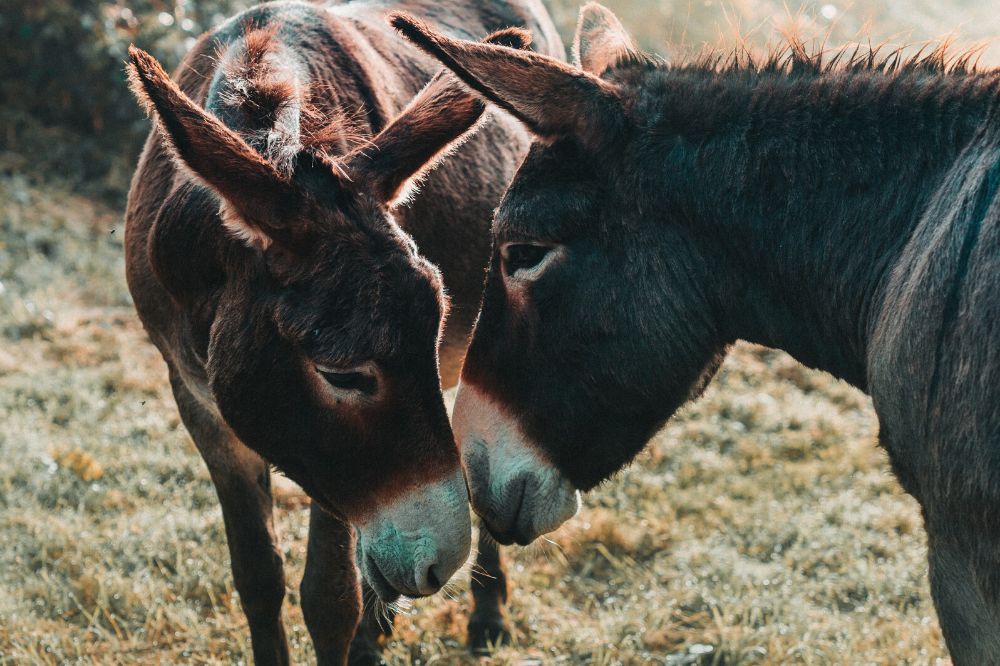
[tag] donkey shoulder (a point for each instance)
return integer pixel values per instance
(934, 361)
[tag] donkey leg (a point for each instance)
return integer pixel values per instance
(243, 483)
(331, 596)
(965, 585)
(488, 622)
(375, 629)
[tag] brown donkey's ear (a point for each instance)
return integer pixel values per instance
(551, 98)
(250, 187)
(601, 41)
(435, 122)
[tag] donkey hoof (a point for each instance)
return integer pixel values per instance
(364, 653)
(487, 635)
(364, 659)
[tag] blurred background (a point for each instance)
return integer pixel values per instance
(62, 98)
(761, 527)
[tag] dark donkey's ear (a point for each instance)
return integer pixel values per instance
(551, 98)
(249, 185)
(434, 123)
(601, 41)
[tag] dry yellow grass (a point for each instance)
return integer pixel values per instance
(761, 527)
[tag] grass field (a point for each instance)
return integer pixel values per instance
(761, 527)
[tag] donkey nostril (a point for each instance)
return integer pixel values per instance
(428, 581)
(432, 579)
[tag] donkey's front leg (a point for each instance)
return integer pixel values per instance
(243, 483)
(258, 572)
(331, 596)
(488, 623)
(964, 559)
(375, 629)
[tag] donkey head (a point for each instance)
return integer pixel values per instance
(593, 328)
(322, 354)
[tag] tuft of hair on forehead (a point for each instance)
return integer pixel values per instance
(264, 86)
(330, 132)
(259, 87)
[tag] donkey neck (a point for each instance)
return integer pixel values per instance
(806, 188)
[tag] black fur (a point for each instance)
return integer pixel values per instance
(846, 211)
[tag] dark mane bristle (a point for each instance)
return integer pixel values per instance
(697, 95)
(796, 58)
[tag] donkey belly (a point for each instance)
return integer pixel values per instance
(934, 361)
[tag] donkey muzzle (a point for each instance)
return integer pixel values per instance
(416, 544)
(518, 494)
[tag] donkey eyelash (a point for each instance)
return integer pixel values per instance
(350, 379)
(528, 260)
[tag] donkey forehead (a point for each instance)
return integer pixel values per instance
(554, 190)
(362, 241)
(365, 308)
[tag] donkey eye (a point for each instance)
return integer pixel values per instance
(523, 256)
(362, 382)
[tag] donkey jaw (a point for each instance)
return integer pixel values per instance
(416, 544)
(518, 494)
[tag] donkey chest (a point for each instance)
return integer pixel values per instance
(188, 358)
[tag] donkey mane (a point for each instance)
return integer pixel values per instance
(265, 93)
(940, 87)
(797, 58)
(950, 72)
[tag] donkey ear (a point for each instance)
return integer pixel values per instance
(435, 122)
(551, 98)
(250, 187)
(601, 41)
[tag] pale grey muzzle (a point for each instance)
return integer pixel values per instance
(519, 495)
(415, 545)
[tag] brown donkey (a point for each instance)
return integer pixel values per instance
(845, 211)
(272, 256)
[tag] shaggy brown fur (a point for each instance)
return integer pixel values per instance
(265, 242)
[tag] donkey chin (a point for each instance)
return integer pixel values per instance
(415, 544)
(518, 494)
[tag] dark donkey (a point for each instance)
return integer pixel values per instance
(847, 212)
(271, 266)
